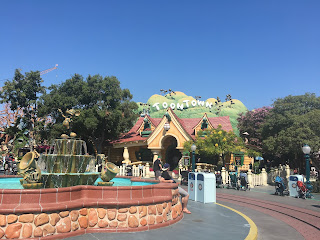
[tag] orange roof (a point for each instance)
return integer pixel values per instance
(188, 124)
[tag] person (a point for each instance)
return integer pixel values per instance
(157, 168)
(8, 164)
(140, 170)
(165, 177)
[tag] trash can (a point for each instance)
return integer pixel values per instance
(192, 183)
(206, 187)
(293, 189)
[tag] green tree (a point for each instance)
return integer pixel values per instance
(106, 109)
(216, 144)
(22, 92)
(292, 122)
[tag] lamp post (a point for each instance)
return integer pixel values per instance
(193, 149)
(306, 150)
(166, 126)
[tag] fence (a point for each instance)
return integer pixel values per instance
(281, 171)
(136, 170)
(142, 171)
(262, 179)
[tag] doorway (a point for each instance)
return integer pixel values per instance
(172, 154)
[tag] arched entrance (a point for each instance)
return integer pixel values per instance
(170, 152)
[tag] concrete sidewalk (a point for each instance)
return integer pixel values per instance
(267, 193)
(211, 221)
(270, 228)
(271, 190)
(207, 222)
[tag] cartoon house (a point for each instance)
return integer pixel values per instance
(153, 137)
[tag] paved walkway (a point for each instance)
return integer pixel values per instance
(207, 222)
(277, 218)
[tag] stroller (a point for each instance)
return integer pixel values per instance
(233, 183)
(302, 190)
(243, 182)
(280, 187)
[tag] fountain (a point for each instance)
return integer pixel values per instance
(66, 166)
(59, 202)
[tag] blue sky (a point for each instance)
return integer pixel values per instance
(256, 51)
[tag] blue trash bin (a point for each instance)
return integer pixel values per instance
(192, 183)
(206, 187)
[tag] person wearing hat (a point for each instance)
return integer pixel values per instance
(165, 177)
(157, 168)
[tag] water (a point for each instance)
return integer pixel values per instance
(118, 182)
(10, 183)
(14, 183)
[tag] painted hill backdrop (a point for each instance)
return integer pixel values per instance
(189, 107)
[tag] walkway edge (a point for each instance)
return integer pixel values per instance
(253, 233)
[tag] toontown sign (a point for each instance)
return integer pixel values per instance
(167, 122)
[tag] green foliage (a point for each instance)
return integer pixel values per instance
(294, 121)
(22, 92)
(106, 109)
(216, 142)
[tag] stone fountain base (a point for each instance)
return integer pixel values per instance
(66, 212)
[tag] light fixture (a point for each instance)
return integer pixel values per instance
(166, 126)
(306, 149)
(193, 147)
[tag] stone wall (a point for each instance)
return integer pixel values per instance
(108, 218)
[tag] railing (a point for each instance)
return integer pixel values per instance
(281, 171)
(261, 179)
(136, 170)
(257, 180)
(253, 179)
(141, 171)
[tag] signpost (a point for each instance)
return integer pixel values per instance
(238, 158)
(186, 160)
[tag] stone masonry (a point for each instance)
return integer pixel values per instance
(29, 225)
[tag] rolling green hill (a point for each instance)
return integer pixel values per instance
(188, 107)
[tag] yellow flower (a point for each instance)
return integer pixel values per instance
(216, 145)
(224, 139)
(219, 132)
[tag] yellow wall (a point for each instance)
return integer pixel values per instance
(173, 131)
(246, 161)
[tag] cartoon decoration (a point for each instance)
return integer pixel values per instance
(30, 171)
(70, 113)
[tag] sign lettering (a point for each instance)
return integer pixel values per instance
(181, 106)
